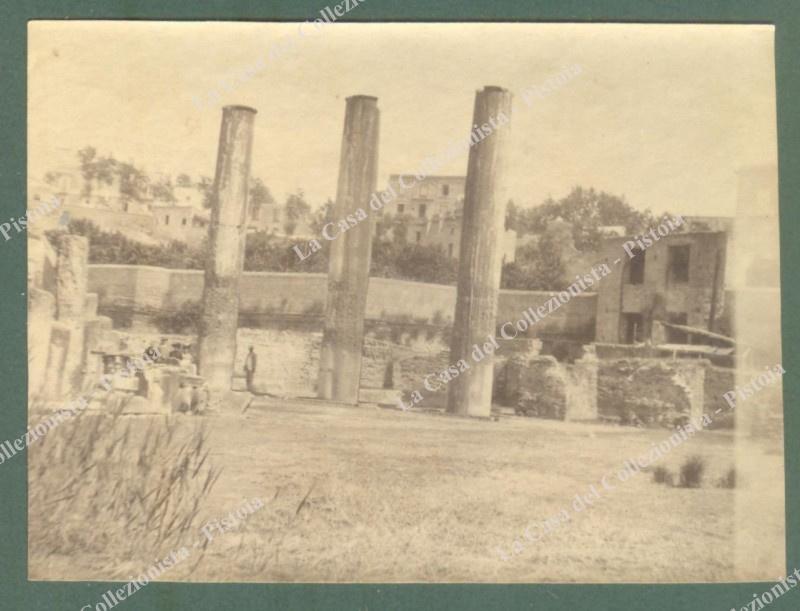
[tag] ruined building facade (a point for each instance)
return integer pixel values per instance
(679, 279)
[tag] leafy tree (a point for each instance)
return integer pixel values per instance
(393, 227)
(86, 158)
(538, 266)
(259, 195)
(296, 208)
(321, 217)
(427, 263)
(183, 180)
(586, 210)
(206, 186)
(268, 252)
(515, 276)
(565, 228)
(423, 263)
(133, 183)
(114, 247)
(383, 225)
(547, 270)
(512, 215)
(400, 228)
(163, 191)
(94, 168)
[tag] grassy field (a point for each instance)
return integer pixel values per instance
(368, 494)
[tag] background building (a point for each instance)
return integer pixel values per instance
(679, 279)
(431, 211)
(162, 210)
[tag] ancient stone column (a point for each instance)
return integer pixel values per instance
(348, 272)
(41, 314)
(72, 280)
(760, 495)
(226, 241)
(57, 382)
(480, 259)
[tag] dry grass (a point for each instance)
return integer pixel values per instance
(382, 495)
(124, 490)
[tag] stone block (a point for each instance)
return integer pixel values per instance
(539, 385)
(41, 314)
(655, 392)
(72, 277)
(581, 390)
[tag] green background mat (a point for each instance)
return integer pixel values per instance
(17, 593)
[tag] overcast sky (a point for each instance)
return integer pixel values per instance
(664, 115)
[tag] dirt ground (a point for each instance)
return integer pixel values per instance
(380, 495)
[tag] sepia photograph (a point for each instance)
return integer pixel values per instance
(402, 302)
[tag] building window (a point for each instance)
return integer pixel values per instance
(419, 237)
(635, 267)
(632, 330)
(450, 249)
(422, 209)
(255, 212)
(445, 190)
(678, 264)
(166, 219)
(400, 208)
(452, 230)
(183, 222)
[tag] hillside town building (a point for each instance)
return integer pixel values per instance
(431, 213)
(152, 217)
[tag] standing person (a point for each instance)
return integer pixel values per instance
(197, 406)
(250, 363)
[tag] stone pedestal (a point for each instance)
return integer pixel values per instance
(582, 388)
(537, 386)
(694, 376)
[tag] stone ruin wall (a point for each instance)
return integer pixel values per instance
(67, 339)
(396, 354)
